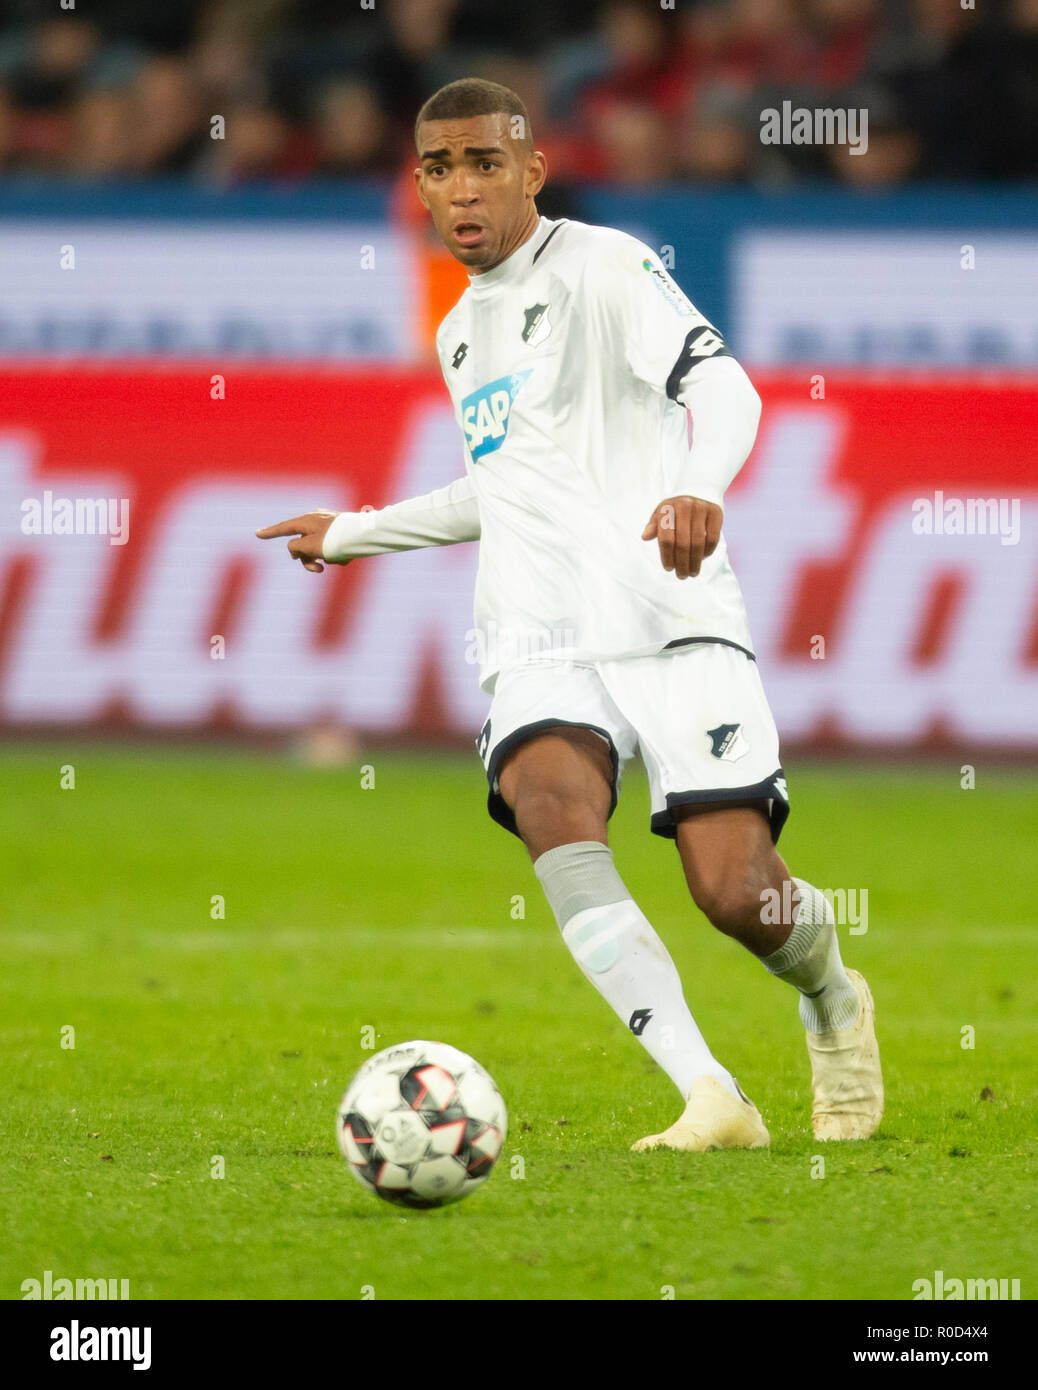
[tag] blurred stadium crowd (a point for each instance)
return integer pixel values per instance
(619, 91)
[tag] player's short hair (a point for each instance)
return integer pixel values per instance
(475, 96)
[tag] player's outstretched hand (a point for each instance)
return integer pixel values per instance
(309, 532)
(688, 529)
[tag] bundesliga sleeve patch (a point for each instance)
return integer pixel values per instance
(669, 289)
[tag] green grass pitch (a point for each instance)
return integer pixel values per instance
(397, 908)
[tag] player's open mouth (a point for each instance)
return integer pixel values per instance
(468, 233)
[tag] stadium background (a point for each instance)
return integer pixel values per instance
(228, 331)
(882, 301)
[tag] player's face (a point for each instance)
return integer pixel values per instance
(479, 183)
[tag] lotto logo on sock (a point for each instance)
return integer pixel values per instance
(639, 1021)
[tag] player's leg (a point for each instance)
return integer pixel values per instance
(556, 785)
(711, 748)
(559, 787)
(739, 881)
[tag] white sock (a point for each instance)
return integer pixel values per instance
(809, 960)
(618, 950)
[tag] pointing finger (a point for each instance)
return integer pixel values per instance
(283, 528)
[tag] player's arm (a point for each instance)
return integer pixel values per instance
(667, 344)
(445, 517)
(725, 411)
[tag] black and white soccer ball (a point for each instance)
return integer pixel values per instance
(421, 1124)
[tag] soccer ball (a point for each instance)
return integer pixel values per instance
(421, 1124)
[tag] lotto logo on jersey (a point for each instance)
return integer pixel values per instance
(484, 413)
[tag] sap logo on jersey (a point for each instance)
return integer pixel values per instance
(484, 413)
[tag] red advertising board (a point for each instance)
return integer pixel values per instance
(885, 533)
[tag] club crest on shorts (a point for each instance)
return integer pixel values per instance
(538, 325)
(727, 742)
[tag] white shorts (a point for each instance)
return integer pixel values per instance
(698, 717)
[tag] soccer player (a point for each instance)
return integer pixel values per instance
(604, 418)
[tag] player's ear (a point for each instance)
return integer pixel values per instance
(419, 189)
(536, 173)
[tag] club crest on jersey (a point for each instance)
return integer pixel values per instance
(485, 413)
(727, 743)
(538, 325)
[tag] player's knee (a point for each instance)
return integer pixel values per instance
(558, 789)
(731, 907)
(551, 815)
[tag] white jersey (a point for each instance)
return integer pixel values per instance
(588, 389)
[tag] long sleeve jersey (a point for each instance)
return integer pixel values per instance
(588, 389)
